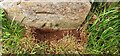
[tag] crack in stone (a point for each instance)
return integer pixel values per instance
(44, 25)
(45, 13)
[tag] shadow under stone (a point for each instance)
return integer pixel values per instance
(55, 35)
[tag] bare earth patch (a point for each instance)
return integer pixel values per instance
(60, 41)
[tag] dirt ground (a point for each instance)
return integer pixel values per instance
(57, 38)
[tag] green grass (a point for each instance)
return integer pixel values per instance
(104, 33)
(11, 33)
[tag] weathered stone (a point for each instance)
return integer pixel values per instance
(53, 15)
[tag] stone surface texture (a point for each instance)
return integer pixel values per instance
(51, 14)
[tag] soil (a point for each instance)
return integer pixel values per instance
(57, 38)
(51, 35)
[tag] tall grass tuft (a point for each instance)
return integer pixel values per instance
(104, 32)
